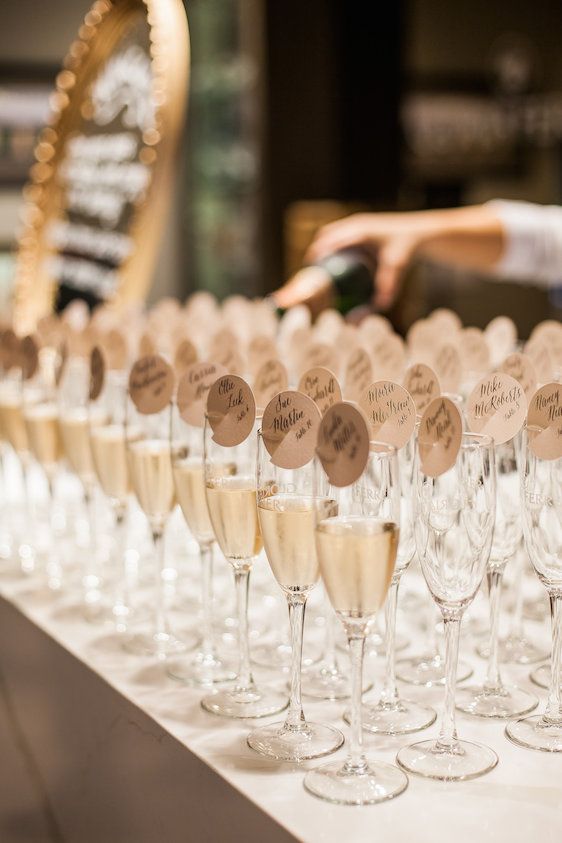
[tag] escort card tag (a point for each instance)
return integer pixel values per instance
(270, 379)
(358, 374)
(446, 321)
(10, 350)
(390, 411)
(193, 387)
(185, 356)
(322, 386)
(389, 357)
(116, 349)
(343, 444)
(374, 326)
(232, 360)
(421, 338)
(231, 410)
(147, 346)
(261, 350)
(319, 354)
(223, 341)
(29, 355)
(151, 384)
(422, 384)
(290, 428)
(497, 406)
(541, 359)
(474, 350)
(448, 368)
(549, 333)
(501, 336)
(97, 372)
(545, 412)
(519, 367)
(439, 436)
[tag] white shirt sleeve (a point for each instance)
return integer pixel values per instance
(533, 242)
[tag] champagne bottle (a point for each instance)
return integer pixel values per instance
(344, 280)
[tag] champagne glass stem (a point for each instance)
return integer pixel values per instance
(90, 572)
(122, 595)
(161, 623)
(448, 732)
(295, 717)
(553, 714)
(330, 653)
(356, 761)
(389, 694)
(516, 626)
(244, 680)
(206, 557)
(493, 679)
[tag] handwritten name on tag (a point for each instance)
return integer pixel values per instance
(289, 429)
(193, 387)
(474, 350)
(448, 367)
(358, 374)
(439, 436)
(497, 406)
(322, 386)
(390, 411)
(231, 410)
(270, 379)
(520, 368)
(343, 444)
(544, 422)
(151, 384)
(185, 356)
(423, 385)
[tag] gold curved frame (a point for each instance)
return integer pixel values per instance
(104, 26)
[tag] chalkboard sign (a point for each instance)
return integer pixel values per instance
(102, 178)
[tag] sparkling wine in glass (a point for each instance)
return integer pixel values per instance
(287, 512)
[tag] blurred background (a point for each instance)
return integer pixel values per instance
(301, 112)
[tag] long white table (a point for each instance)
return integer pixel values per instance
(101, 746)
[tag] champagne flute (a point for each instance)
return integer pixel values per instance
(109, 459)
(393, 715)
(230, 483)
(287, 510)
(357, 552)
(454, 522)
(493, 698)
(150, 469)
(186, 443)
(541, 490)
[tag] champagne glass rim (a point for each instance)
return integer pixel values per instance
(378, 447)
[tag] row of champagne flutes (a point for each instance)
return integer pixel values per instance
(141, 445)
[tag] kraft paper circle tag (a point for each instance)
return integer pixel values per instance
(192, 392)
(358, 374)
(319, 354)
(97, 372)
(541, 359)
(545, 412)
(289, 429)
(10, 349)
(421, 338)
(322, 386)
(439, 436)
(270, 379)
(389, 358)
(474, 350)
(151, 384)
(231, 410)
(390, 411)
(501, 336)
(423, 385)
(497, 406)
(549, 333)
(343, 444)
(261, 350)
(374, 326)
(147, 346)
(29, 355)
(520, 368)
(446, 321)
(185, 356)
(232, 360)
(116, 349)
(223, 341)
(448, 367)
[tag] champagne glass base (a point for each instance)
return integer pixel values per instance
(284, 744)
(507, 701)
(376, 783)
(535, 733)
(541, 676)
(202, 670)
(277, 656)
(514, 650)
(241, 703)
(428, 670)
(464, 760)
(158, 644)
(326, 683)
(399, 718)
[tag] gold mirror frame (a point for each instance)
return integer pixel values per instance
(105, 25)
